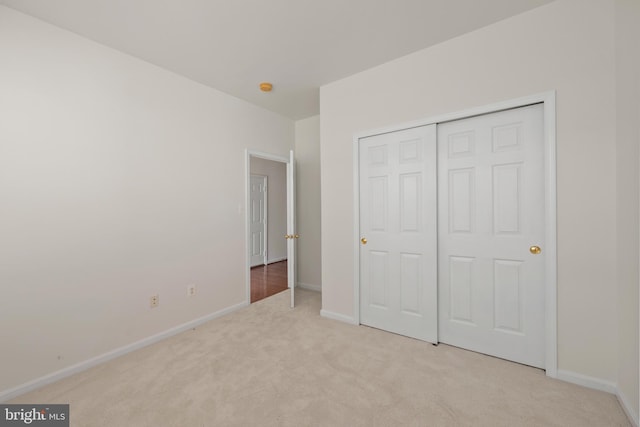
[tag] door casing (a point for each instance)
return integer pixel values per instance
(548, 99)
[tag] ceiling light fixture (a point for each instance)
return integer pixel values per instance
(266, 86)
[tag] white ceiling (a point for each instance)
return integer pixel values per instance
(298, 45)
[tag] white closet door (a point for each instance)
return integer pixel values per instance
(398, 249)
(491, 220)
(258, 219)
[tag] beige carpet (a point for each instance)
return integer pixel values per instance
(267, 365)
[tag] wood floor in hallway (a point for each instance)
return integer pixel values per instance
(267, 280)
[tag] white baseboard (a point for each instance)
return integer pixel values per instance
(624, 402)
(309, 286)
(587, 381)
(338, 316)
(271, 261)
(9, 394)
(602, 385)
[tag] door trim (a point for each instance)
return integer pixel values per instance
(248, 154)
(548, 99)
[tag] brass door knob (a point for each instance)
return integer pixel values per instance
(535, 250)
(296, 236)
(286, 236)
(364, 240)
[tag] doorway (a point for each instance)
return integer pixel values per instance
(495, 276)
(270, 225)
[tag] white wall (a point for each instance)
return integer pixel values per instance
(307, 144)
(276, 173)
(628, 138)
(118, 180)
(566, 46)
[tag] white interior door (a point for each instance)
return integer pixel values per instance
(258, 220)
(491, 222)
(398, 250)
(291, 236)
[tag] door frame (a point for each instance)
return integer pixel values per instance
(265, 230)
(248, 154)
(548, 99)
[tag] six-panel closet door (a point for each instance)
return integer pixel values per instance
(398, 252)
(452, 228)
(491, 233)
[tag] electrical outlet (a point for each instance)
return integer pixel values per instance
(191, 290)
(155, 300)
